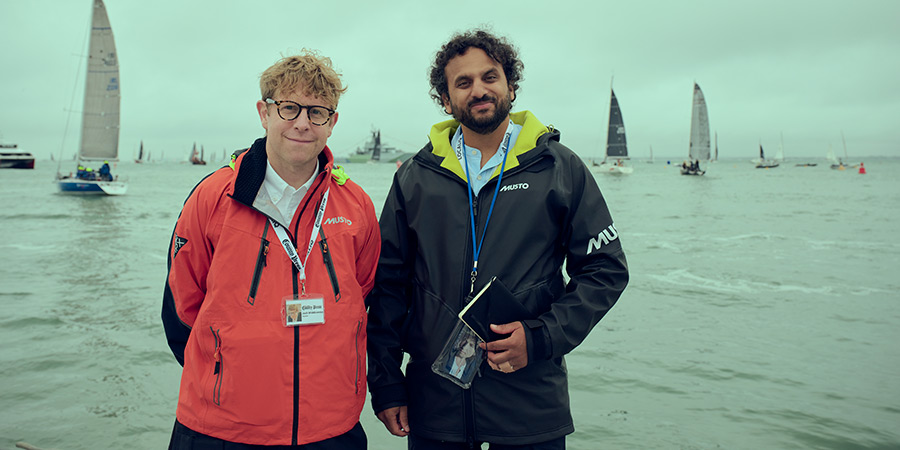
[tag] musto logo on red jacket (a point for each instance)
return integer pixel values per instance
(337, 220)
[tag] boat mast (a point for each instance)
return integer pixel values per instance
(845, 145)
(717, 146)
(781, 147)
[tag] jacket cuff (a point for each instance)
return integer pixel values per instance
(538, 340)
(388, 397)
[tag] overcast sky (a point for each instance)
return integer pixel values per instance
(807, 70)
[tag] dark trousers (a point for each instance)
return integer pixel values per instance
(184, 438)
(418, 443)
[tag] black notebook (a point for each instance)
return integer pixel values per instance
(494, 304)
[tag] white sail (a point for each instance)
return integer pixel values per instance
(830, 155)
(699, 149)
(779, 155)
(100, 116)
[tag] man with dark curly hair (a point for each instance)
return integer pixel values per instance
(493, 196)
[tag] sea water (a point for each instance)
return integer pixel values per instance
(762, 311)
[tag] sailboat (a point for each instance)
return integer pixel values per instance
(836, 164)
(763, 162)
(846, 157)
(100, 115)
(140, 157)
(650, 161)
(616, 146)
(197, 158)
(699, 146)
(779, 155)
(716, 154)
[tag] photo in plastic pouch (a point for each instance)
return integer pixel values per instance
(461, 356)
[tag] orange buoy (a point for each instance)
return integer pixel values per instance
(862, 169)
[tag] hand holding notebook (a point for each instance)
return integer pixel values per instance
(494, 304)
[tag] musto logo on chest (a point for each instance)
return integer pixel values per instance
(604, 237)
(337, 220)
(513, 187)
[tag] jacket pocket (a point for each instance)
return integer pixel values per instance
(219, 367)
(260, 263)
(359, 354)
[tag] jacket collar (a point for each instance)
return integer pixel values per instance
(251, 171)
(441, 133)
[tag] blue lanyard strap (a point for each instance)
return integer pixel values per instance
(476, 245)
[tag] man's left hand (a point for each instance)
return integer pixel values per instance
(511, 353)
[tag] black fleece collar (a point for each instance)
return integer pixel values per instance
(252, 173)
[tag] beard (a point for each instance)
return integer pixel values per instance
(487, 124)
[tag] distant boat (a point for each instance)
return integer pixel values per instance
(616, 146)
(840, 164)
(197, 158)
(375, 151)
(699, 146)
(10, 158)
(763, 162)
(716, 154)
(779, 155)
(651, 155)
(100, 115)
(140, 157)
(836, 164)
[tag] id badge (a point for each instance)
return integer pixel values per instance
(461, 356)
(307, 309)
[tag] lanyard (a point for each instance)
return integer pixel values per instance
(476, 245)
(289, 246)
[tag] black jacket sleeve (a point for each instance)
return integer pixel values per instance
(595, 264)
(389, 303)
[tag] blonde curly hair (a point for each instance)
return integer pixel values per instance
(308, 72)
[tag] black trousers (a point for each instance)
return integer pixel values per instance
(184, 438)
(418, 443)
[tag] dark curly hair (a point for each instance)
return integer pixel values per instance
(497, 48)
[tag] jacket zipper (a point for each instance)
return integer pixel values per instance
(469, 414)
(296, 285)
(260, 263)
(468, 397)
(326, 257)
(295, 425)
(217, 371)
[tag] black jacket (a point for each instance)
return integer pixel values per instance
(549, 211)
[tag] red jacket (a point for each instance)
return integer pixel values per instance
(247, 378)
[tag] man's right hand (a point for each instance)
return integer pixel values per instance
(395, 420)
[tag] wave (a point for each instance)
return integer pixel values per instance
(690, 281)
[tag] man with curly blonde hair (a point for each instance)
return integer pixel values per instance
(269, 264)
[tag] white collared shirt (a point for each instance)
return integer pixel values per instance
(285, 198)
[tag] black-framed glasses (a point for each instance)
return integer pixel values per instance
(288, 110)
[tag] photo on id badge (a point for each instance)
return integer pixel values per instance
(461, 356)
(306, 310)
